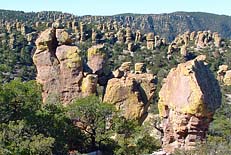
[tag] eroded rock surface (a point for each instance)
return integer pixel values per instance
(188, 100)
(131, 93)
(60, 68)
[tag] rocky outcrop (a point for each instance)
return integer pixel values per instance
(140, 68)
(217, 39)
(221, 72)
(63, 37)
(130, 93)
(97, 58)
(227, 78)
(188, 100)
(60, 68)
(224, 75)
(150, 41)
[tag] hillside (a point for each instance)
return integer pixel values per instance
(167, 25)
(126, 84)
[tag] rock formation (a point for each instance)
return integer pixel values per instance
(63, 37)
(138, 36)
(130, 93)
(227, 78)
(140, 68)
(120, 36)
(97, 58)
(60, 68)
(150, 41)
(188, 100)
(128, 35)
(217, 39)
(224, 75)
(221, 72)
(82, 32)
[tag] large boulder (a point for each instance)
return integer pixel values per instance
(63, 37)
(46, 40)
(131, 94)
(188, 100)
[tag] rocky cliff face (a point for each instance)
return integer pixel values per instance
(188, 100)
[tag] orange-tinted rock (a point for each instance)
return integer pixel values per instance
(188, 100)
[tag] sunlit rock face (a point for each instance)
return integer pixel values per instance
(60, 68)
(188, 100)
(131, 93)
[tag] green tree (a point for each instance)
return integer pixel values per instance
(133, 138)
(17, 137)
(19, 100)
(28, 127)
(95, 118)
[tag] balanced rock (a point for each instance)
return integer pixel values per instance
(188, 100)
(97, 58)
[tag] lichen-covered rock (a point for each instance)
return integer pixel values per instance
(63, 37)
(172, 48)
(89, 84)
(192, 35)
(188, 100)
(97, 58)
(46, 40)
(60, 69)
(138, 36)
(120, 36)
(131, 94)
(58, 24)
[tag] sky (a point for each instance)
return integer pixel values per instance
(112, 7)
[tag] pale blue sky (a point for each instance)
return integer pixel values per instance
(111, 7)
